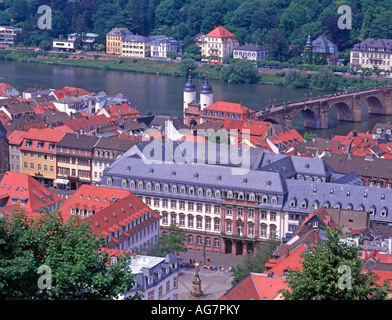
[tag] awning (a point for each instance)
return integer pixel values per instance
(62, 181)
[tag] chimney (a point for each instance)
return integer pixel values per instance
(287, 252)
(316, 235)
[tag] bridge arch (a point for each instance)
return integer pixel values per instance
(343, 111)
(310, 118)
(375, 105)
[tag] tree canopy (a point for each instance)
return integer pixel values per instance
(47, 258)
(281, 25)
(332, 270)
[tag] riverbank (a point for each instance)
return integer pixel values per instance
(167, 67)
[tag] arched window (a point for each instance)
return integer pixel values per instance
(190, 239)
(174, 188)
(166, 188)
(273, 234)
(200, 192)
(230, 194)
(217, 194)
(263, 230)
(199, 240)
(140, 185)
(241, 196)
(182, 190)
(132, 184)
(274, 200)
(157, 187)
(192, 190)
(208, 242)
(252, 197)
(264, 199)
(148, 186)
(209, 193)
(109, 181)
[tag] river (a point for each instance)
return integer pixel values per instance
(163, 94)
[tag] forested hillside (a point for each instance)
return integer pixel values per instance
(281, 25)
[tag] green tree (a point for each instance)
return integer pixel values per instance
(332, 270)
(254, 261)
(187, 64)
(296, 79)
(173, 242)
(69, 248)
(324, 80)
(240, 71)
(309, 136)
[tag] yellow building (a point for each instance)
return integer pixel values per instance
(38, 152)
(372, 54)
(218, 44)
(135, 46)
(114, 40)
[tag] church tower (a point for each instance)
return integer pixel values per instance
(189, 92)
(206, 95)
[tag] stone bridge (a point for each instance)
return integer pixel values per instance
(315, 111)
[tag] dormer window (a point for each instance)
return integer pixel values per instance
(304, 204)
(383, 212)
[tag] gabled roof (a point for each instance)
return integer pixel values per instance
(119, 214)
(19, 186)
(89, 197)
(16, 137)
(256, 286)
(220, 32)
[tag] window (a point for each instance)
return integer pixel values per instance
(167, 286)
(216, 242)
(208, 224)
(151, 295)
(164, 203)
(190, 221)
(250, 229)
(274, 200)
(216, 224)
(228, 227)
(208, 242)
(164, 219)
(190, 239)
(199, 222)
(190, 206)
(156, 202)
(173, 204)
(216, 209)
(199, 241)
(160, 292)
(273, 216)
(182, 221)
(199, 207)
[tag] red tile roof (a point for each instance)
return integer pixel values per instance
(119, 214)
(4, 118)
(23, 186)
(90, 197)
(256, 286)
(122, 110)
(45, 106)
(16, 137)
(221, 32)
(70, 91)
(47, 135)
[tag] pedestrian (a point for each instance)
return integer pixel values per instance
(208, 258)
(193, 261)
(190, 261)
